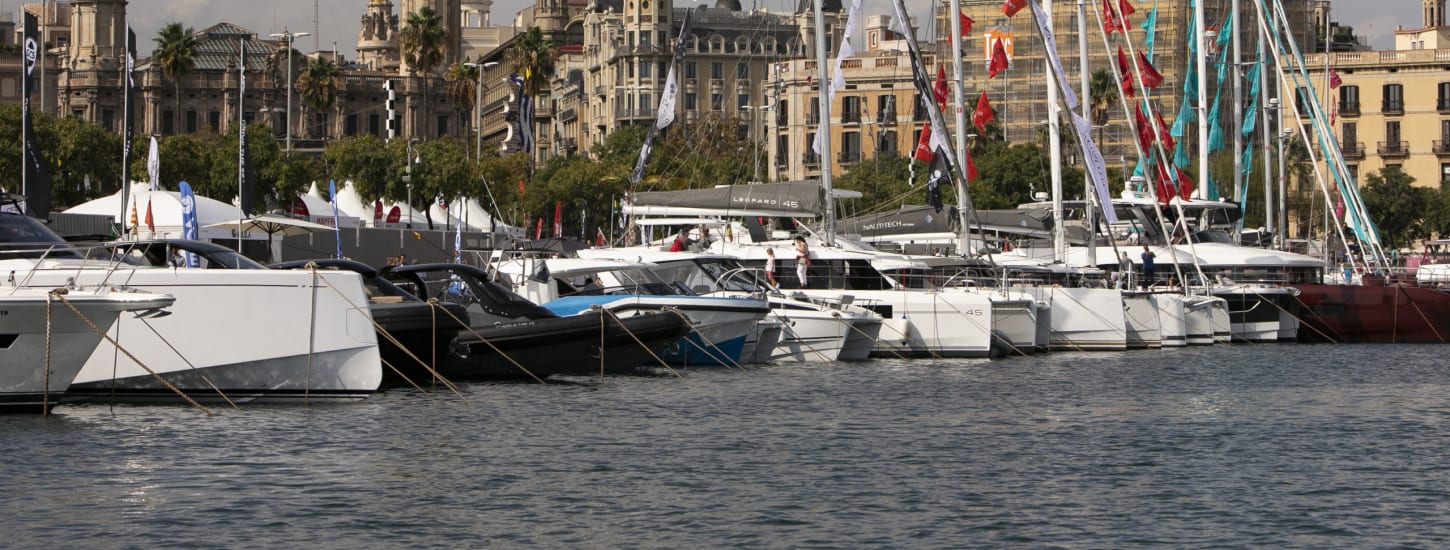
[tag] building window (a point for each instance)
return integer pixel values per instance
(886, 108)
(851, 109)
(810, 157)
(886, 144)
(645, 68)
(1442, 100)
(782, 113)
(1301, 100)
(850, 146)
(814, 114)
(689, 69)
(646, 102)
(191, 122)
(1349, 140)
(782, 150)
(741, 101)
(442, 125)
(717, 71)
(716, 102)
(350, 125)
(106, 119)
(1444, 173)
(742, 71)
(1394, 103)
(375, 125)
(168, 122)
(214, 120)
(690, 102)
(1392, 131)
(1349, 100)
(918, 111)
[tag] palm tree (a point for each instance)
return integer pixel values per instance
(175, 53)
(318, 84)
(422, 42)
(462, 85)
(1104, 90)
(532, 57)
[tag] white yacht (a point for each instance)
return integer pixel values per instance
(246, 334)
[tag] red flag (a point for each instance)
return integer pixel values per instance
(940, 88)
(1151, 77)
(999, 60)
(521, 188)
(378, 210)
(1110, 19)
(966, 25)
(1334, 81)
(1185, 185)
(923, 144)
(558, 219)
(1126, 9)
(1011, 7)
(1163, 131)
(1127, 74)
(983, 113)
(1145, 129)
(971, 168)
(1165, 185)
(539, 229)
(395, 215)
(599, 237)
(150, 222)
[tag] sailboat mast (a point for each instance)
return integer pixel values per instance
(964, 246)
(1271, 217)
(1089, 213)
(1201, 61)
(1054, 152)
(824, 124)
(1238, 103)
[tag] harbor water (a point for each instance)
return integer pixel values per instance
(1248, 446)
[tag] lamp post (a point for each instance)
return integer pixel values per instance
(478, 107)
(289, 36)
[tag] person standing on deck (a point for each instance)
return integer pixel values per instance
(1147, 279)
(802, 261)
(770, 268)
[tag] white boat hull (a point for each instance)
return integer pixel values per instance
(1085, 319)
(1172, 318)
(1142, 318)
(925, 323)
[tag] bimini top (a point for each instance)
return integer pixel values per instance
(791, 199)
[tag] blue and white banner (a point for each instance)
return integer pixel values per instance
(337, 229)
(1045, 27)
(189, 228)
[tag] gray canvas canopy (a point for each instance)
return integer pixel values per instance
(791, 199)
(919, 219)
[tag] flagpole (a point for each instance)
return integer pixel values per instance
(1085, 96)
(964, 247)
(1238, 106)
(1201, 62)
(1054, 143)
(126, 66)
(823, 130)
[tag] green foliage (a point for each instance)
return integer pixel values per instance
(532, 57)
(422, 39)
(577, 184)
(1397, 206)
(462, 85)
(708, 153)
(318, 84)
(444, 170)
(883, 183)
(365, 160)
(175, 53)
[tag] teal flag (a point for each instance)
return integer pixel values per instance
(1180, 156)
(1215, 128)
(1150, 27)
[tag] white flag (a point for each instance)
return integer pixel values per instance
(666, 113)
(153, 165)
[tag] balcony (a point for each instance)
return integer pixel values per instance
(1441, 147)
(1352, 151)
(846, 158)
(1393, 107)
(1348, 108)
(1394, 148)
(887, 153)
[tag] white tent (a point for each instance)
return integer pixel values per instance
(319, 210)
(165, 212)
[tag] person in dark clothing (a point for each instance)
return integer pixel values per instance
(1147, 279)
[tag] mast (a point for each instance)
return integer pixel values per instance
(1054, 135)
(1089, 212)
(1270, 215)
(1238, 94)
(1201, 62)
(823, 130)
(959, 76)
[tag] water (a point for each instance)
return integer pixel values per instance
(1235, 446)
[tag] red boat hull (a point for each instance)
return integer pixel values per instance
(1373, 313)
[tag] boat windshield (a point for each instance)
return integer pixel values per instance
(25, 237)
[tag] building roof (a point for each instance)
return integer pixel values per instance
(216, 49)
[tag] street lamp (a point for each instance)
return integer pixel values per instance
(289, 36)
(478, 107)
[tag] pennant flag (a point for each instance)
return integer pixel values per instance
(940, 174)
(600, 241)
(1011, 7)
(923, 144)
(1185, 185)
(1163, 130)
(666, 114)
(971, 168)
(966, 25)
(1151, 77)
(939, 89)
(999, 60)
(1123, 69)
(1334, 81)
(1164, 185)
(521, 188)
(983, 113)
(134, 222)
(153, 165)
(539, 229)
(336, 221)
(1110, 19)
(1145, 130)
(378, 211)
(150, 221)
(395, 215)
(1150, 28)
(558, 219)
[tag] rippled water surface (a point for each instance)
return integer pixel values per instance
(1243, 446)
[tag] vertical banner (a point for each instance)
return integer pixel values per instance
(666, 113)
(244, 187)
(190, 230)
(336, 222)
(36, 178)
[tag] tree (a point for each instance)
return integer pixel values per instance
(318, 84)
(883, 183)
(1396, 205)
(175, 53)
(532, 57)
(364, 160)
(422, 42)
(443, 171)
(462, 85)
(1104, 90)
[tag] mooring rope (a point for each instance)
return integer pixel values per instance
(1302, 323)
(434, 303)
(638, 341)
(189, 364)
(785, 325)
(875, 341)
(706, 339)
(1426, 318)
(45, 391)
(60, 293)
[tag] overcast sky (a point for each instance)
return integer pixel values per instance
(338, 19)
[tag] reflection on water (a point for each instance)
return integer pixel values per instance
(1255, 445)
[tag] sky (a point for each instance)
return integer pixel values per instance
(338, 19)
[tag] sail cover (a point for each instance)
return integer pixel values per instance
(794, 199)
(906, 220)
